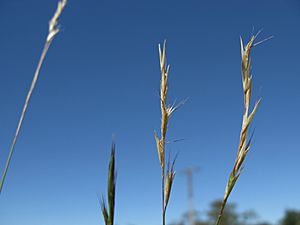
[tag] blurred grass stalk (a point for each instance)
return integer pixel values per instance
(108, 214)
(167, 177)
(244, 145)
(53, 31)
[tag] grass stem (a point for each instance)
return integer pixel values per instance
(53, 30)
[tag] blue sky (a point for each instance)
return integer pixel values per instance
(101, 78)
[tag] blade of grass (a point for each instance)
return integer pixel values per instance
(108, 214)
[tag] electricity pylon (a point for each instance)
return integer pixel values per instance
(188, 172)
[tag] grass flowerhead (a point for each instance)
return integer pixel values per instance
(244, 143)
(166, 112)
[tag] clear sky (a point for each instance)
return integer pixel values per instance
(101, 78)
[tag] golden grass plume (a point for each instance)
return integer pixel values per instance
(166, 112)
(244, 143)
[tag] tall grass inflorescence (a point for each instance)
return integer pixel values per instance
(167, 177)
(53, 31)
(244, 143)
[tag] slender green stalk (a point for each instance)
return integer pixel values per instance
(244, 145)
(53, 30)
(221, 211)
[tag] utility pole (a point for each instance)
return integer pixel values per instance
(188, 172)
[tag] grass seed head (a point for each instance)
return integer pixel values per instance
(244, 143)
(166, 112)
(169, 181)
(53, 27)
(244, 146)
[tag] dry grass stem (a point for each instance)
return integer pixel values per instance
(244, 145)
(53, 30)
(108, 214)
(166, 112)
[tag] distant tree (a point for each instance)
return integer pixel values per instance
(230, 216)
(264, 223)
(177, 223)
(186, 222)
(248, 218)
(201, 223)
(291, 217)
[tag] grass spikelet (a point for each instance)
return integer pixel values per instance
(244, 145)
(53, 31)
(170, 176)
(108, 214)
